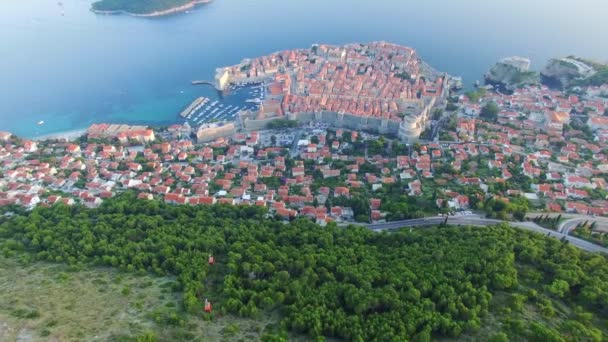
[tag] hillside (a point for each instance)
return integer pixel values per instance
(352, 284)
(42, 301)
(574, 71)
(144, 7)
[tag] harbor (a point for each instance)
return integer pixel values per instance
(240, 97)
(193, 107)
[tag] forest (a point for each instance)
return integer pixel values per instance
(138, 7)
(345, 283)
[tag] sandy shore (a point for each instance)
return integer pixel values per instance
(68, 135)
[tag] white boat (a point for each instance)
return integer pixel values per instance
(41, 122)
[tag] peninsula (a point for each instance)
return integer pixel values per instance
(144, 8)
(379, 87)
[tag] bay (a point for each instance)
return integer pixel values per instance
(69, 67)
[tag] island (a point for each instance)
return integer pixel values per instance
(145, 8)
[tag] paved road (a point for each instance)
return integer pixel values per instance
(473, 220)
(572, 220)
(569, 225)
(294, 146)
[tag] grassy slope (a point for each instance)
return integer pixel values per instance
(41, 302)
(138, 6)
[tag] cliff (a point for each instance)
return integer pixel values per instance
(512, 72)
(144, 8)
(564, 72)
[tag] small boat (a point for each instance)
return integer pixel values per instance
(41, 122)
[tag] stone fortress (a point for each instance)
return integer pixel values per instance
(378, 87)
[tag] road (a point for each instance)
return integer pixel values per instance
(572, 220)
(295, 151)
(569, 225)
(474, 220)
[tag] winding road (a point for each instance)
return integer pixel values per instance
(572, 220)
(475, 220)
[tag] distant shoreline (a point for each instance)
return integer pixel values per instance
(168, 11)
(66, 135)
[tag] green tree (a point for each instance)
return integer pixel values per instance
(490, 111)
(341, 282)
(499, 337)
(559, 288)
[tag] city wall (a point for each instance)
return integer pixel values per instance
(208, 134)
(407, 130)
(224, 79)
(339, 120)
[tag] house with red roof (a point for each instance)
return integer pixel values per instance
(341, 191)
(145, 196)
(5, 136)
(578, 182)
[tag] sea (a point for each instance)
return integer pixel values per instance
(64, 65)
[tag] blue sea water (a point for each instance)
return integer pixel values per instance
(69, 67)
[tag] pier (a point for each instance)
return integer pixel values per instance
(204, 82)
(192, 107)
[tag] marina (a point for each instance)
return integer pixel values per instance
(193, 107)
(239, 97)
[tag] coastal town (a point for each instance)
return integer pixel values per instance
(379, 86)
(501, 155)
(304, 171)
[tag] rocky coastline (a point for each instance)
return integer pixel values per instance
(510, 73)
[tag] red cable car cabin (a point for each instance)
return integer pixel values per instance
(208, 307)
(211, 260)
